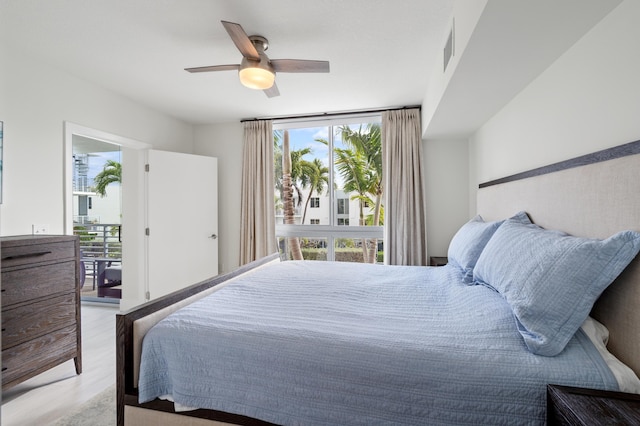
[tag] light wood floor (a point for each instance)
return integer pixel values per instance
(43, 399)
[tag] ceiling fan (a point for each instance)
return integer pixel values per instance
(256, 70)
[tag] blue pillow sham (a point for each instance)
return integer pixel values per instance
(551, 279)
(467, 244)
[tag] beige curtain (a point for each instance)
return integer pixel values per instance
(257, 226)
(404, 215)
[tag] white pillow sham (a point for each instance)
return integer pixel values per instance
(599, 336)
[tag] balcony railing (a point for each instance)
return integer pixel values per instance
(99, 239)
(334, 243)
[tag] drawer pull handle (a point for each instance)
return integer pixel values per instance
(18, 256)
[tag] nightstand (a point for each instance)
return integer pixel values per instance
(438, 260)
(578, 406)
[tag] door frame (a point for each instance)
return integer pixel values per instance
(71, 129)
(133, 155)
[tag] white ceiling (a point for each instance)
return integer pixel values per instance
(378, 50)
(381, 51)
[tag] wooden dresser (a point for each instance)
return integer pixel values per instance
(40, 305)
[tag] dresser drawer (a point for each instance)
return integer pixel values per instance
(37, 355)
(25, 254)
(21, 285)
(27, 322)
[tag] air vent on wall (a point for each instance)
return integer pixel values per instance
(448, 47)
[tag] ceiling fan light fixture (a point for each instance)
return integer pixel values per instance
(257, 75)
(257, 78)
(257, 71)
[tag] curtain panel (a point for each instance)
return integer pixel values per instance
(404, 216)
(257, 223)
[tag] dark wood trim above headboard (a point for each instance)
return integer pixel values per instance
(630, 148)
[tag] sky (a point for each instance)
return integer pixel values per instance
(97, 161)
(306, 138)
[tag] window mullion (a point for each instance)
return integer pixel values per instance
(332, 197)
(331, 248)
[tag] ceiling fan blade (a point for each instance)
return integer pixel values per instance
(241, 40)
(299, 65)
(214, 68)
(272, 91)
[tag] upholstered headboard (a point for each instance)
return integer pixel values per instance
(594, 196)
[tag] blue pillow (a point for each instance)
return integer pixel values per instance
(551, 279)
(467, 244)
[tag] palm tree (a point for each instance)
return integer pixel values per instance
(277, 161)
(287, 190)
(301, 170)
(352, 168)
(361, 168)
(299, 176)
(318, 177)
(111, 172)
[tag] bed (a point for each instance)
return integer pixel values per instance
(414, 345)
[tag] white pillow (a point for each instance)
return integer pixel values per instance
(599, 336)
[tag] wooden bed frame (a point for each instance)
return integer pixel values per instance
(594, 195)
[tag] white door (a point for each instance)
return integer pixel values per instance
(182, 218)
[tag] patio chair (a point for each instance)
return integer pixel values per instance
(112, 278)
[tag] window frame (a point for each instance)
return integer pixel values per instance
(329, 232)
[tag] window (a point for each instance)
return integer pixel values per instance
(333, 177)
(343, 206)
(83, 205)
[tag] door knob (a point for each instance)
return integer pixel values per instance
(213, 236)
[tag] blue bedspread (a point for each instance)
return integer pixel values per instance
(304, 343)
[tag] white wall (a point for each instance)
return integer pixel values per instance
(446, 166)
(34, 103)
(225, 141)
(446, 162)
(588, 100)
(106, 209)
(466, 14)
